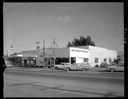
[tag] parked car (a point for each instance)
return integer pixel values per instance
(8, 64)
(77, 66)
(113, 68)
(61, 66)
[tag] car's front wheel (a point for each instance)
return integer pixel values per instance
(84, 69)
(112, 70)
(67, 69)
(56, 68)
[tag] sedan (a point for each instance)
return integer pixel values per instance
(114, 68)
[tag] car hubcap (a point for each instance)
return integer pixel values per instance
(67, 69)
(112, 70)
(84, 69)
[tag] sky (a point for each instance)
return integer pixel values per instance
(28, 23)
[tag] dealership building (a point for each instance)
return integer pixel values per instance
(80, 54)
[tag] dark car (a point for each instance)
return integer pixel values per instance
(116, 67)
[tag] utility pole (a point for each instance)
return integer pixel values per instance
(44, 51)
(38, 48)
(12, 49)
(7, 53)
(53, 46)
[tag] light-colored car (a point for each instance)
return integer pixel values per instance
(61, 66)
(114, 68)
(8, 64)
(77, 66)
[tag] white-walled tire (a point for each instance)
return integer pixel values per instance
(112, 70)
(84, 69)
(67, 69)
(56, 68)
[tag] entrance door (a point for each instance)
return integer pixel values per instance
(73, 60)
(25, 62)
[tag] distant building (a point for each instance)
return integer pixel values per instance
(91, 54)
(13, 59)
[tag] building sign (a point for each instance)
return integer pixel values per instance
(79, 50)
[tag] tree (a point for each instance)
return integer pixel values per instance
(69, 44)
(82, 41)
(117, 61)
(89, 41)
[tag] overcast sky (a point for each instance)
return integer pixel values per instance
(27, 23)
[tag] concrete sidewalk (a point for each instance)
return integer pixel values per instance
(93, 70)
(33, 69)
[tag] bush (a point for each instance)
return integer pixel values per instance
(103, 64)
(96, 65)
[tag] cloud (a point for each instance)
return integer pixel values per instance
(64, 18)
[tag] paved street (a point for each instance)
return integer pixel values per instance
(43, 83)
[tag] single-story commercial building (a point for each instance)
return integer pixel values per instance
(91, 54)
(14, 60)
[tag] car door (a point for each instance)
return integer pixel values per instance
(74, 66)
(81, 66)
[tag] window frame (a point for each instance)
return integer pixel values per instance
(86, 59)
(96, 60)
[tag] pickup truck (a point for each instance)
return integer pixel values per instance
(61, 66)
(77, 66)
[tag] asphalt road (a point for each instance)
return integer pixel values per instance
(25, 83)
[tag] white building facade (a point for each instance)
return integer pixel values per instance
(91, 54)
(80, 55)
(98, 55)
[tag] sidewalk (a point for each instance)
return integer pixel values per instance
(33, 68)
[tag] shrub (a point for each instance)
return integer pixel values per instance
(103, 64)
(96, 65)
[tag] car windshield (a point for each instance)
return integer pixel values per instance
(65, 63)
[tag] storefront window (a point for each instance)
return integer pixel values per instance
(57, 61)
(60, 60)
